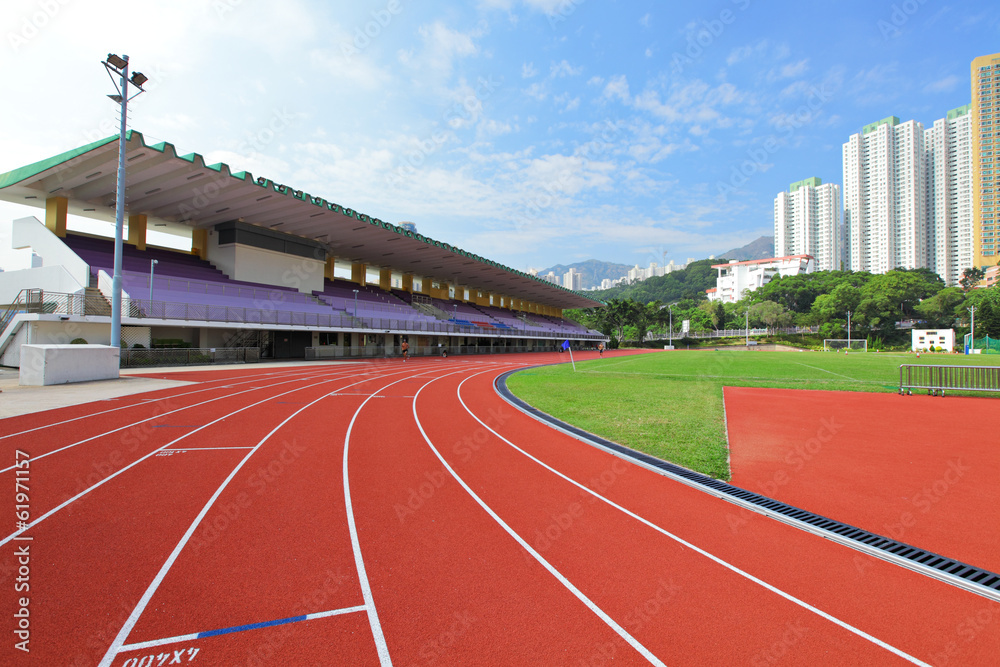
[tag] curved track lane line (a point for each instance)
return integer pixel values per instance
(150, 454)
(133, 618)
(138, 404)
(600, 613)
(679, 540)
(157, 416)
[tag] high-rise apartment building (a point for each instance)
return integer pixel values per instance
(885, 220)
(985, 121)
(949, 172)
(573, 280)
(807, 222)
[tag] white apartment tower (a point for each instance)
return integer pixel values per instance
(950, 233)
(807, 222)
(573, 280)
(885, 220)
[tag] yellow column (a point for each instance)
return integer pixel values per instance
(55, 215)
(358, 272)
(328, 272)
(408, 282)
(199, 243)
(137, 230)
(385, 279)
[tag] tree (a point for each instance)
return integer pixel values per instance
(971, 277)
(771, 314)
(942, 309)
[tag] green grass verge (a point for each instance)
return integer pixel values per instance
(669, 404)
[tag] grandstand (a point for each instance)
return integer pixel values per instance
(269, 266)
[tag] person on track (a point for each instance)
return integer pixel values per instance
(405, 347)
(600, 349)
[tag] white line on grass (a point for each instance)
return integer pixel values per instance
(723, 563)
(816, 368)
(600, 613)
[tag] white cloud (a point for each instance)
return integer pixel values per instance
(945, 85)
(563, 68)
(617, 88)
(528, 71)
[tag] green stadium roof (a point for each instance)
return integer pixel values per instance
(178, 191)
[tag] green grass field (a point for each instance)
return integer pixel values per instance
(669, 404)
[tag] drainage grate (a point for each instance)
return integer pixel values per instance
(974, 579)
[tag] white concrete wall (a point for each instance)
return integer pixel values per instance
(49, 278)
(60, 364)
(31, 233)
(257, 265)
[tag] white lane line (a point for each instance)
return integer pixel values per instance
(225, 631)
(151, 454)
(158, 579)
(383, 650)
(600, 613)
(142, 402)
(725, 564)
(163, 414)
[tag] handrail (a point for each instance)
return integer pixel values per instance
(143, 309)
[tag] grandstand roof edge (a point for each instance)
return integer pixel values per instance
(23, 173)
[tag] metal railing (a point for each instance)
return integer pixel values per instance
(733, 333)
(378, 351)
(953, 378)
(36, 301)
(188, 356)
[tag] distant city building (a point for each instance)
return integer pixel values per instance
(949, 170)
(985, 81)
(736, 278)
(885, 218)
(551, 277)
(573, 280)
(409, 226)
(807, 222)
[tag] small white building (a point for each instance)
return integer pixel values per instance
(736, 277)
(925, 340)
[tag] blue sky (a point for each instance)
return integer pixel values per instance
(532, 132)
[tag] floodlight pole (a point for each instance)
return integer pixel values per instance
(746, 325)
(848, 330)
(116, 282)
(119, 66)
(972, 325)
(152, 271)
(670, 310)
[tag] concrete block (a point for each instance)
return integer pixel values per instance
(60, 364)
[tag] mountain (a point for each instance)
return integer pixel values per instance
(762, 248)
(688, 283)
(593, 271)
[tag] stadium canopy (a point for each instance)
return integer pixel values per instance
(179, 193)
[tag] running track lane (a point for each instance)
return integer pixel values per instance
(920, 616)
(446, 632)
(93, 559)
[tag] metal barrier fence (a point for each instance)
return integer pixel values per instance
(35, 301)
(953, 378)
(187, 356)
(377, 351)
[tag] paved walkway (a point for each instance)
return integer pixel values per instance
(16, 399)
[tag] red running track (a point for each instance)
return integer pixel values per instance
(402, 513)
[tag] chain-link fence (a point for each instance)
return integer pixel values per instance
(142, 357)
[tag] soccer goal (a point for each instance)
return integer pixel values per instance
(835, 344)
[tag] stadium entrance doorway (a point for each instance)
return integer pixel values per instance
(290, 344)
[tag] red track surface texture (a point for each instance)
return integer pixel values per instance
(402, 513)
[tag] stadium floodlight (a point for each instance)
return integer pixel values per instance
(119, 66)
(138, 79)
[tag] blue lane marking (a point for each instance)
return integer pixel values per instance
(251, 626)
